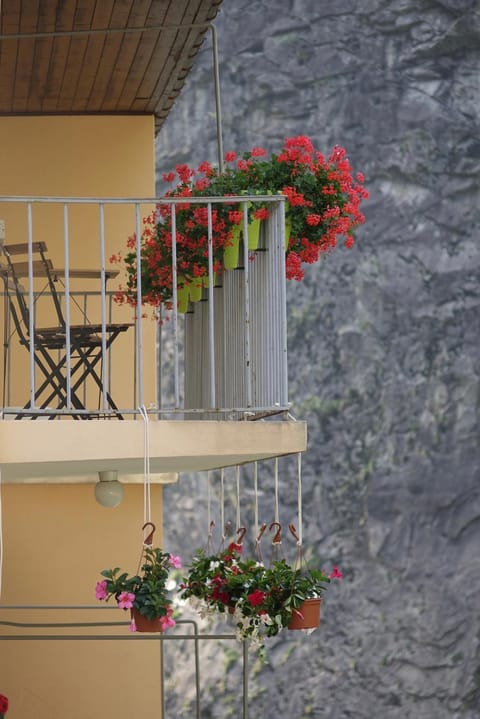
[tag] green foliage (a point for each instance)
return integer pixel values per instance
(262, 600)
(148, 587)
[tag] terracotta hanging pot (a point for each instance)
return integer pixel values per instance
(146, 625)
(307, 616)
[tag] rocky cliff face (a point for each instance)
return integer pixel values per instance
(384, 344)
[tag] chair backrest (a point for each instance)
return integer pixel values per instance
(18, 267)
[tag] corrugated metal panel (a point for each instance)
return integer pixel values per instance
(256, 327)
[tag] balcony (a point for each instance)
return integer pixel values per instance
(205, 381)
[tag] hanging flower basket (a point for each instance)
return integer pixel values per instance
(145, 593)
(264, 600)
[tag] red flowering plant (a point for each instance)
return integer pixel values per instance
(262, 600)
(216, 582)
(323, 196)
(3, 705)
(323, 201)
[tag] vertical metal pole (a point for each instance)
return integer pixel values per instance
(68, 348)
(211, 331)
(175, 306)
(103, 306)
(245, 680)
(31, 302)
(138, 318)
(158, 364)
(218, 109)
(162, 683)
(197, 668)
(246, 277)
(85, 315)
(283, 300)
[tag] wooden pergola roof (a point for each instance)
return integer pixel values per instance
(98, 56)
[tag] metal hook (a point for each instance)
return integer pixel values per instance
(149, 538)
(293, 531)
(277, 538)
(241, 533)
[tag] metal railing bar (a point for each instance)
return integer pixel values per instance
(222, 199)
(68, 354)
(246, 308)
(196, 637)
(176, 383)
(250, 414)
(225, 385)
(138, 313)
(211, 330)
(282, 304)
(103, 308)
(31, 312)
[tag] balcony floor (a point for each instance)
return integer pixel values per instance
(75, 451)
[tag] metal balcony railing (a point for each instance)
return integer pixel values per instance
(70, 350)
(64, 627)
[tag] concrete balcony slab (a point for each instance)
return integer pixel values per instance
(75, 451)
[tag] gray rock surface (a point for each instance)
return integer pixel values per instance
(384, 357)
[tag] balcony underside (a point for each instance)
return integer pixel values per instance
(43, 451)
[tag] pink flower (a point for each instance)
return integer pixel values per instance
(335, 573)
(101, 590)
(167, 622)
(125, 600)
(133, 626)
(175, 561)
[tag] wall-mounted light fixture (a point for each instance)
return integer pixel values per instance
(108, 490)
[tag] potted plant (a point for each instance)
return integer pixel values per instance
(216, 582)
(3, 705)
(323, 199)
(286, 597)
(263, 601)
(145, 594)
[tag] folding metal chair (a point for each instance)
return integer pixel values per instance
(62, 379)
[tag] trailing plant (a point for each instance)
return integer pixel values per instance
(323, 200)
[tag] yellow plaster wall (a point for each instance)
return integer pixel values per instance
(56, 537)
(82, 157)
